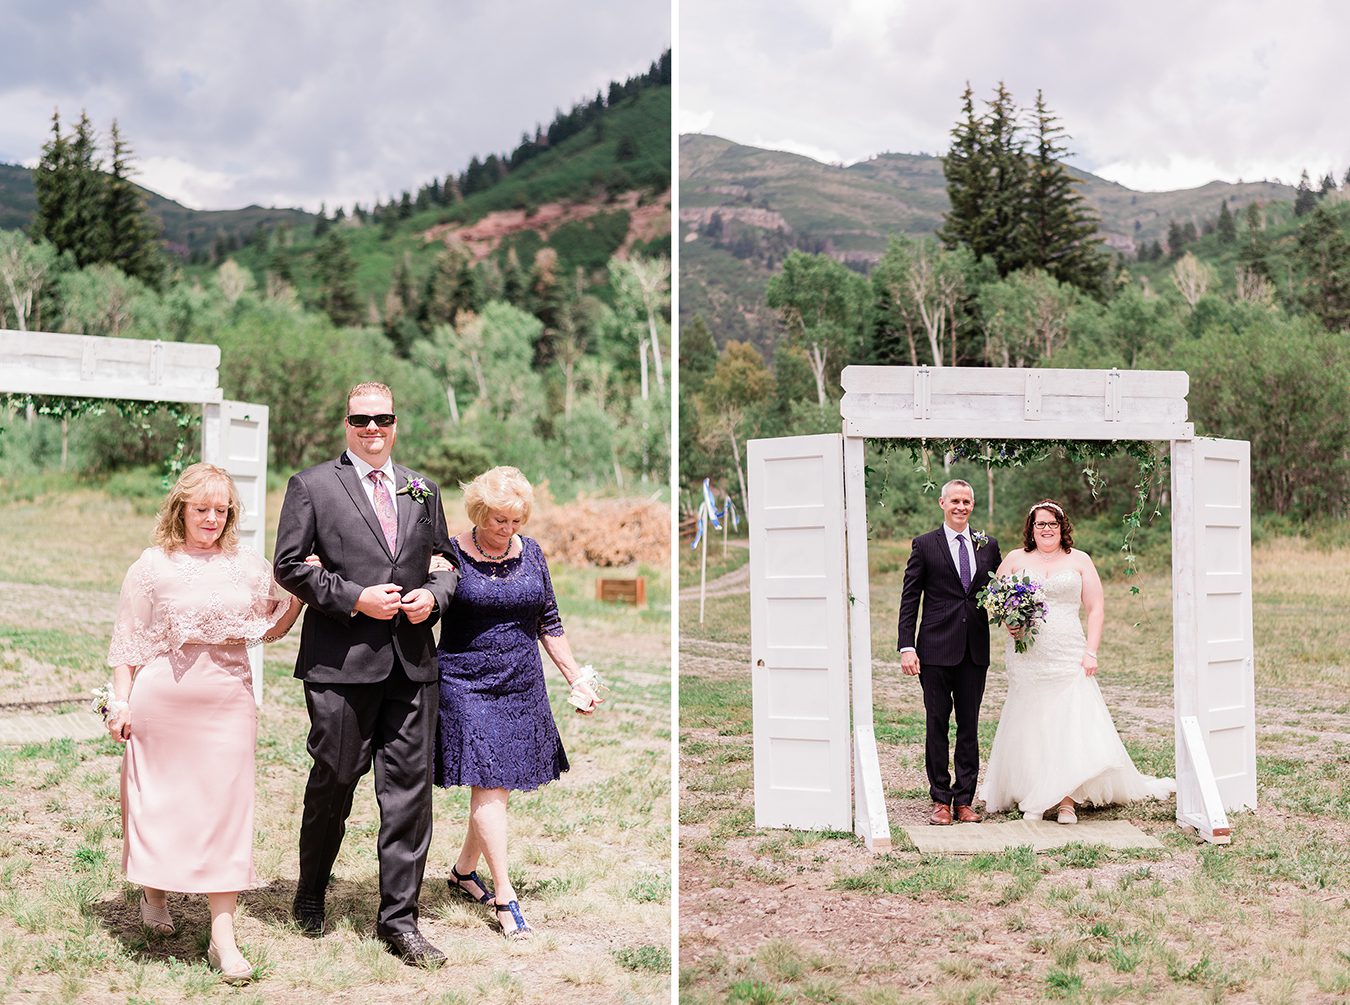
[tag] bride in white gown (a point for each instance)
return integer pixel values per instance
(1056, 745)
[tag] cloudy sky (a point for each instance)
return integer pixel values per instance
(1157, 94)
(294, 102)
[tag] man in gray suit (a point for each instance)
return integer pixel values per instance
(368, 658)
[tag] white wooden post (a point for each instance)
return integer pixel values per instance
(870, 819)
(798, 634)
(234, 437)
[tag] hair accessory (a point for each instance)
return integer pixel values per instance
(1046, 504)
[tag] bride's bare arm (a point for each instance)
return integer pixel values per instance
(1094, 602)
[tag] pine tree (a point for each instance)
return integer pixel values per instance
(1227, 226)
(1176, 239)
(336, 274)
(1061, 232)
(1005, 213)
(52, 187)
(132, 234)
(1305, 199)
(69, 190)
(1322, 257)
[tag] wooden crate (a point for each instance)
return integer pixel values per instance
(622, 591)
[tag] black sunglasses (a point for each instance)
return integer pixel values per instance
(381, 420)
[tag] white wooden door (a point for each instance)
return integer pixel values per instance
(234, 437)
(1212, 619)
(799, 633)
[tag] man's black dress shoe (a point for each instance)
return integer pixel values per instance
(412, 948)
(307, 910)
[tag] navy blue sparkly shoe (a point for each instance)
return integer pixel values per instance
(522, 930)
(459, 879)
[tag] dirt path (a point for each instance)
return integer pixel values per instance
(734, 582)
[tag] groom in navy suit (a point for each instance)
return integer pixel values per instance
(947, 568)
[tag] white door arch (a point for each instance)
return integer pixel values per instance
(1211, 554)
(234, 434)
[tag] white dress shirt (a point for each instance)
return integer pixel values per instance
(363, 470)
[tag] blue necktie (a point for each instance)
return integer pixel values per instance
(964, 562)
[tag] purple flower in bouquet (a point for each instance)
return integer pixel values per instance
(417, 488)
(1017, 602)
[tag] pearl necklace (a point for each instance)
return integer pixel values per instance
(484, 553)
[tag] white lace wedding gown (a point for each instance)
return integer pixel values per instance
(1055, 737)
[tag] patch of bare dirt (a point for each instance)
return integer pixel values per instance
(731, 905)
(481, 238)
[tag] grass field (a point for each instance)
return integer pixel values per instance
(591, 852)
(780, 916)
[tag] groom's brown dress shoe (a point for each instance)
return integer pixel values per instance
(942, 815)
(967, 815)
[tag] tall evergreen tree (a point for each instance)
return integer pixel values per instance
(1322, 257)
(1305, 199)
(1061, 231)
(336, 273)
(985, 170)
(52, 187)
(69, 190)
(1227, 226)
(132, 234)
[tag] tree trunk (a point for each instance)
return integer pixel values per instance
(656, 352)
(65, 440)
(989, 478)
(817, 358)
(454, 405)
(642, 364)
(740, 474)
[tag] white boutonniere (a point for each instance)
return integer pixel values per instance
(979, 538)
(417, 488)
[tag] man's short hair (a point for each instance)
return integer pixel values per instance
(956, 481)
(370, 387)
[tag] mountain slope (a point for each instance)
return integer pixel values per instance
(742, 209)
(184, 230)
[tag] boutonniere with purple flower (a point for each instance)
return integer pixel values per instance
(979, 539)
(417, 488)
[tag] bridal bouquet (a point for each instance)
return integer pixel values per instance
(1015, 601)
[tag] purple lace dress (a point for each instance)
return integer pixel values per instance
(496, 729)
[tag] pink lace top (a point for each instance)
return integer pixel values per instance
(175, 599)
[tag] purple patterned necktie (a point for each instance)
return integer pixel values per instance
(964, 561)
(384, 509)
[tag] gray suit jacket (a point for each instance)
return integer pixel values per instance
(326, 512)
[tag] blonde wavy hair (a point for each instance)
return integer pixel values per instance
(503, 489)
(196, 481)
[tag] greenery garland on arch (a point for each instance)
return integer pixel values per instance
(59, 406)
(1151, 468)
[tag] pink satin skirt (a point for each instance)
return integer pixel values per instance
(187, 774)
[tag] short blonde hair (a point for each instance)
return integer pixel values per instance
(503, 489)
(195, 480)
(370, 387)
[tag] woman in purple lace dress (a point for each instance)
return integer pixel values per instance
(496, 730)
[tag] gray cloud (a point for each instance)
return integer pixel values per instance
(1156, 93)
(302, 101)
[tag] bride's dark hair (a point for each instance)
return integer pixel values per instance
(1055, 510)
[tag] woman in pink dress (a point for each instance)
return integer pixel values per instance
(183, 704)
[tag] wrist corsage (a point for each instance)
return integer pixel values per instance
(417, 488)
(581, 700)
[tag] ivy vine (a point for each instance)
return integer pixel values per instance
(1150, 469)
(186, 418)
